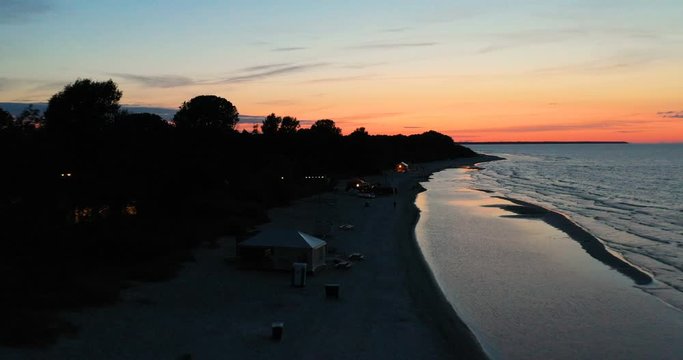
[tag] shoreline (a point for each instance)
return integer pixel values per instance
(588, 241)
(422, 280)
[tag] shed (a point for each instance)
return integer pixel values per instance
(278, 249)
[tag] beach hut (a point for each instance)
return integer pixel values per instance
(278, 249)
(402, 167)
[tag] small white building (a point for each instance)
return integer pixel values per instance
(278, 249)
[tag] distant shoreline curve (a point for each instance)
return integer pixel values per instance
(538, 142)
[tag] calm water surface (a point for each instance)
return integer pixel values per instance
(630, 196)
(527, 289)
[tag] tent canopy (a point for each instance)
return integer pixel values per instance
(287, 238)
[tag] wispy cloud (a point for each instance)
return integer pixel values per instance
(393, 45)
(269, 71)
(341, 79)
(367, 116)
(291, 48)
(4, 83)
(510, 40)
(251, 73)
(159, 81)
(50, 85)
(264, 67)
(616, 62)
(362, 65)
(671, 114)
(277, 102)
(413, 127)
(515, 39)
(18, 11)
(395, 30)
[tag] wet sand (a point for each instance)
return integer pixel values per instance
(591, 244)
(389, 306)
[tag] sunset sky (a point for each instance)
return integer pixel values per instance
(475, 70)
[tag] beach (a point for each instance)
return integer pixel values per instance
(389, 305)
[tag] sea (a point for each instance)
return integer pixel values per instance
(528, 290)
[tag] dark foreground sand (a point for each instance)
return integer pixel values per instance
(390, 306)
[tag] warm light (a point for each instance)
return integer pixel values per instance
(130, 210)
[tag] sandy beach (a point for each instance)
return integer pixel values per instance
(389, 305)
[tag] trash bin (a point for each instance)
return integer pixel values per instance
(277, 329)
(299, 274)
(332, 291)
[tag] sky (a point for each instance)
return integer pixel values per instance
(545, 70)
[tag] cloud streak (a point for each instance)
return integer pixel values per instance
(291, 48)
(341, 79)
(671, 114)
(20, 11)
(395, 30)
(264, 67)
(392, 45)
(252, 73)
(158, 81)
(269, 71)
(367, 116)
(509, 40)
(613, 63)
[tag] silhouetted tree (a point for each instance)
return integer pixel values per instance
(359, 132)
(6, 119)
(85, 105)
(289, 125)
(207, 112)
(30, 116)
(325, 127)
(271, 124)
(140, 122)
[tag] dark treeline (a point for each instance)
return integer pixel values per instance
(90, 192)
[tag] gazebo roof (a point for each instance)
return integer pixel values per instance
(288, 238)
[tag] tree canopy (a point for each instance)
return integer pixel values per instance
(141, 122)
(325, 127)
(85, 105)
(207, 112)
(276, 125)
(289, 125)
(6, 119)
(271, 124)
(30, 116)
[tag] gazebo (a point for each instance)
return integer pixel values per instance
(278, 249)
